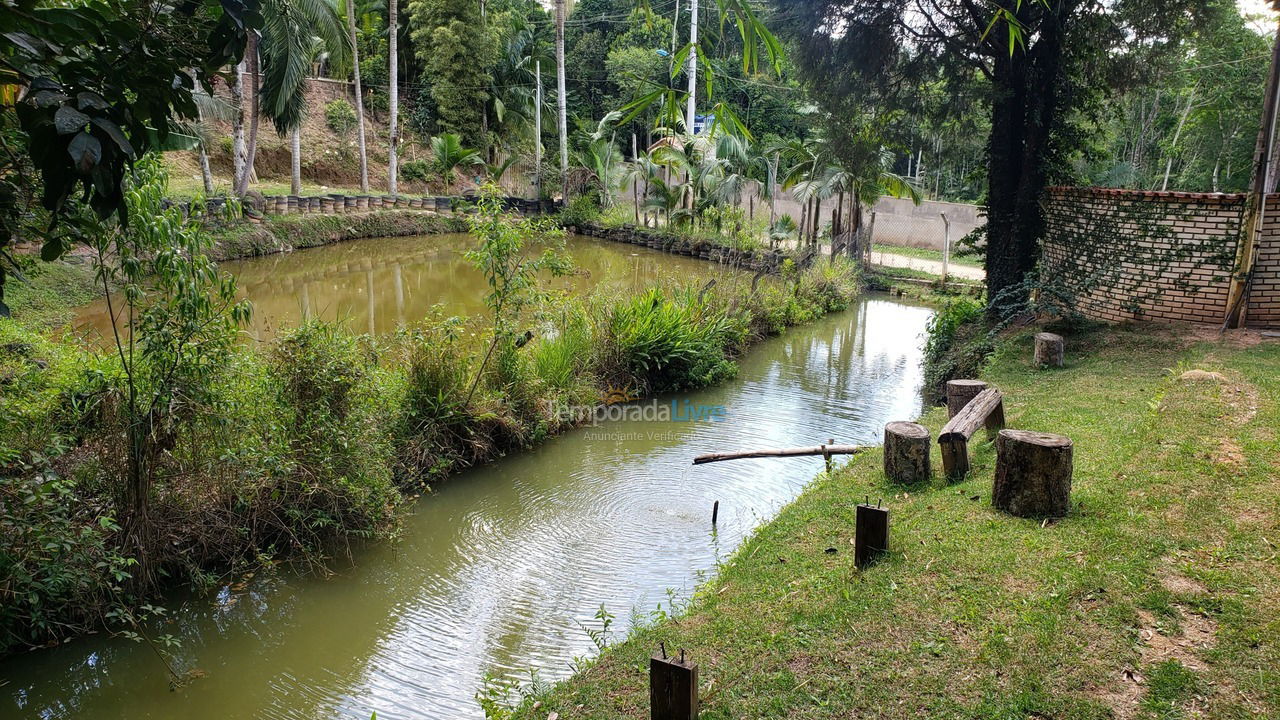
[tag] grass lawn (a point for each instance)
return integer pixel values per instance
(927, 254)
(1157, 597)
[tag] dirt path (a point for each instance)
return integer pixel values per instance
(965, 272)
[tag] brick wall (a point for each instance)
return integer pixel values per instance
(1133, 255)
(1264, 296)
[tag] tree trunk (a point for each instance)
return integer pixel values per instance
(206, 173)
(251, 52)
(960, 392)
(295, 161)
(691, 108)
(1024, 111)
(562, 119)
(393, 22)
(1033, 474)
(237, 125)
(906, 453)
(355, 72)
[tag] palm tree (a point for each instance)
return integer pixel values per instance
(393, 90)
(642, 169)
(561, 101)
(603, 164)
(450, 156)
(284, 50)
(355, 75)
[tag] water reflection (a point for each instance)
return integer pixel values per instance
(501, 568)
(377, 285)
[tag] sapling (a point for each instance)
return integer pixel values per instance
(512, 253)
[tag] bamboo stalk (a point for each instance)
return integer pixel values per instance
(822, 450)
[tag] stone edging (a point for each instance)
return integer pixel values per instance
(769, 261)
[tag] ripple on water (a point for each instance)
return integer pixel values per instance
(502, 568)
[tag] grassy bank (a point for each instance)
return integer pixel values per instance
(280, 233)
(1157, 597)
(301, 448)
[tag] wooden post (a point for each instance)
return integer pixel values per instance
(1256, 206)
(826, 454)
(673, 688)
(960, 392)
(1033, 474)
(870, 534)
(1050, 350)
(715, 512)
(906, 453)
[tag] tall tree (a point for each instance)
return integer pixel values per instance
(1047, 63)
(280, 59)
(393, 31)
(355, 76)
(457, 53)
(561, 100)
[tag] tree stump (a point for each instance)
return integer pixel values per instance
(1050, 350)
(1033, 474)
(960, 392)
(906, 453)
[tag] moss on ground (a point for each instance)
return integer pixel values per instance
(1157, 597)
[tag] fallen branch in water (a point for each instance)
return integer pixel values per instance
(822, 450)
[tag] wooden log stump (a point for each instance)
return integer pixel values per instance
(1050, 350)
(1033, 474)
(960, 392)
(906, 453)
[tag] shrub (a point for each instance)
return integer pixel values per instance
(340, 116)
(581, 210)
(416, 171)
(956, 345)
(339, 430)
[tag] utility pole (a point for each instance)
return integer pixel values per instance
(537, 131)
(1256, 207)
(393, 21)
(692, 109)
(561, 103)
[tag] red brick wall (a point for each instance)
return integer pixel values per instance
(1132, 255)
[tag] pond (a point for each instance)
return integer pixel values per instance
(376, 285)
(502, 569)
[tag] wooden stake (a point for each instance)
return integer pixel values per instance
(673, 688)
(715, 512)
(870, 534)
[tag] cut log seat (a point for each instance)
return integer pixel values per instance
(985, 409)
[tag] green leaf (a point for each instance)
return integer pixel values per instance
(68, 120)
(85, 151)
(114, 132)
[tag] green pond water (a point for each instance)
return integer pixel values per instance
(503, 566)
(379, 284)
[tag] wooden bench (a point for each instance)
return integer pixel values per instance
(986, 408)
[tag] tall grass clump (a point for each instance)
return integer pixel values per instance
(664, 341)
